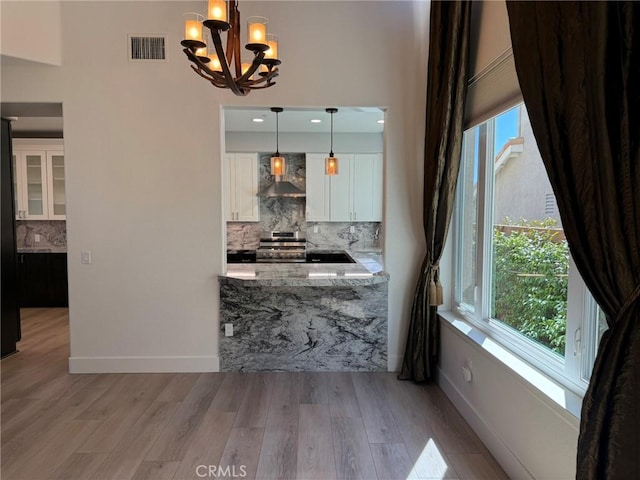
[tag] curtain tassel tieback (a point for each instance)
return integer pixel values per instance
(432, 293)
(435, 288)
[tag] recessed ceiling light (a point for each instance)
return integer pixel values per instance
(315, 120)
(380, 121)
(258, 119)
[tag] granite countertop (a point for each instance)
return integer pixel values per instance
(365, 271)
(41, 250)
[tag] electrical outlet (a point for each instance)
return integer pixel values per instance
(352, 229)
(36, 237)
(85, 256)
(315, 229)
(467, 371)
(228, 329)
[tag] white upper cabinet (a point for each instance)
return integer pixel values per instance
(39, 180)
(317, 189)
(354, 195)
(342, 190)
(366, 172)
(241, 182)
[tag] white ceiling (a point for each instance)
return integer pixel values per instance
(33, 116)
(37, 124)
(345, 120)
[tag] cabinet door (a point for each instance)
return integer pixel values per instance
(229, 186)
(33, 280)
(33, 184)
(341, 186)
(56, 185)
(318, 189)
(246, 187)
(367, 187)
(57, 278)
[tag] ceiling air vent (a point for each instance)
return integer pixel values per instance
(146, 47)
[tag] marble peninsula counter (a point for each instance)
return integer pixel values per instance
(304, 274)
(304, 317)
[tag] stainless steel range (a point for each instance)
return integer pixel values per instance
(283, 247)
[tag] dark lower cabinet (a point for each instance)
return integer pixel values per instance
(43, 279)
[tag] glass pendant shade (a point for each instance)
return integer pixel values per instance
(331, 165)
(278, 165)
(257, 30)
(214, 63)
(217, 10)
(193, 27)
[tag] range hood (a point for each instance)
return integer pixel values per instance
(281, 189)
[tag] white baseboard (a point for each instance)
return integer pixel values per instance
(143, 364)
(394, 363)
(501, 452)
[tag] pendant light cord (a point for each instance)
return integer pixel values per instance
(277, 136)
(331, 149)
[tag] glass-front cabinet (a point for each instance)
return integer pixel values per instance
(39, 180)
(56, 197)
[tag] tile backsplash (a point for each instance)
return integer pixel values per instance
(337, 235)
(330, 235)
(285, 213)
(53, 234)
(243, 235)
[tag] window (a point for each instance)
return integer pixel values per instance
(514, 277)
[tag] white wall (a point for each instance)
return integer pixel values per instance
(529, 435)
(143, 144)
(31, 31)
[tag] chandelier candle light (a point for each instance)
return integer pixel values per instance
(331, 162)
(213, 64)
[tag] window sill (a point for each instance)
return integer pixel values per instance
(552, 392)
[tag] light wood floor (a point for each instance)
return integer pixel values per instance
(245, 425)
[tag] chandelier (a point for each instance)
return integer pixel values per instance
(212, 63)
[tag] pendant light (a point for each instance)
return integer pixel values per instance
(278, 167)
(331, 162)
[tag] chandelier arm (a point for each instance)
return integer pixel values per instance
(260, 87)
(203, 67)
(230, 81)
(219, 80)
(266, 78)
(214, 82)
(257, 61)
(233, 12)
(235, 31)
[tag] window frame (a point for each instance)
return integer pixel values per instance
(572, 371)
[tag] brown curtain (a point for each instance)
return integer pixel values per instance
(579, 69)
(446, 92)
